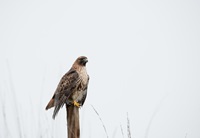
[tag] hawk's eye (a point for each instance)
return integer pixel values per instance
(82, 59)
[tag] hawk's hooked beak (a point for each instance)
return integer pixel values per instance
(85, 60)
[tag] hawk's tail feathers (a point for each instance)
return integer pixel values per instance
(50, 104)
(58, 105)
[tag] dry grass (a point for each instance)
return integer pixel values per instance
(100, 120)
(122, 131)
(128, 127)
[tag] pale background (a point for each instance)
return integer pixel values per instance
(143, 60)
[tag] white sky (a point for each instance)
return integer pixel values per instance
(143, 59)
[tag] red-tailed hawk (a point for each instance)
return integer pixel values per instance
(72, 89)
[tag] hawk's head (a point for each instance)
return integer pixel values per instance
(82, 60)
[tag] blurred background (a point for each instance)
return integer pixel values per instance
(143, 61)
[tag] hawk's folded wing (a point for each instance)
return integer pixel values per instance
(65, 89)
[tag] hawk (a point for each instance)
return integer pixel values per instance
(72, 88)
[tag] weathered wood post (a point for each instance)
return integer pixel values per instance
(73, 128)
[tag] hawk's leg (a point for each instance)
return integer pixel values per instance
(76, 104)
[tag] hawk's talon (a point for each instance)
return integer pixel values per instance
(76, 104)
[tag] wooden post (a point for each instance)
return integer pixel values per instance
(73, 128)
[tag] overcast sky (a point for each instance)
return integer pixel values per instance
(143, 60)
